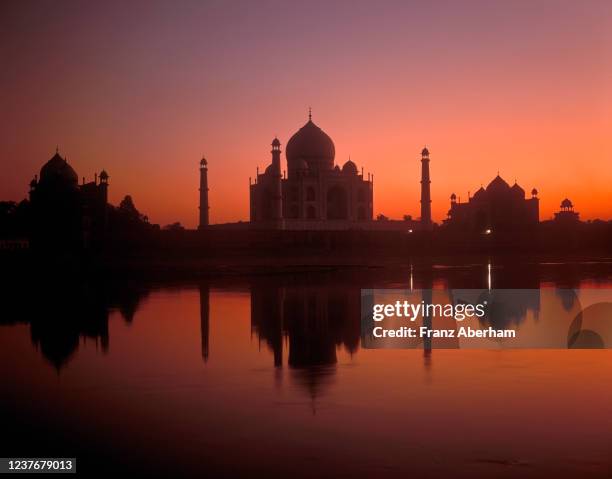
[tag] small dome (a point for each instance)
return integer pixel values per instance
(453, 197)
(566, 203)
(103, 175)
(425, 152)
(479, 193)
(349, 168)
(534, 192)
(275, 142)
(517, 190)
(203, 162)
(498, 185)
(58, 171)
(337, 168)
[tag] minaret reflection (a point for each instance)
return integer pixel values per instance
(205, 319)
(267, 316)
(427, 297)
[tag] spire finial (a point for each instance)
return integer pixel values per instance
(309, 114)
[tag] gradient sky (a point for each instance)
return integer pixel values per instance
(143, 89)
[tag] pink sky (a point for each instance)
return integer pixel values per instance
(143, 90)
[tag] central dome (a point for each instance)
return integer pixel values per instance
(58, 172)
(498, 185)
(313, 145)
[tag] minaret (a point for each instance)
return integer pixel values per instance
(425, 191)
(203, 194)
(277, 197)
(103, 186)
(103, 189)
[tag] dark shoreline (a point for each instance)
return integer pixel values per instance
(27, 266)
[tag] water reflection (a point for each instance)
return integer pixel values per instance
(509, 308)
(272, 370)
(302, 318)
(63, 313)
(314, 320)
(308, 321)
(205, 319)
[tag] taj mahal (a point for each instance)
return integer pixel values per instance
(315, 189)
(314, 192)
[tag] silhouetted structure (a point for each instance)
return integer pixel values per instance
(203, 194)
(567, 215)
(64, 216)
(64, 213)
(425, 191)
(315, 193)
(499, 207)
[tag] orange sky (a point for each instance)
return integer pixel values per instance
(143, 91)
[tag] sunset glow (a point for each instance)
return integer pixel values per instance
(144, 91)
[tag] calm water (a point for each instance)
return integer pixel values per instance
(265, 375)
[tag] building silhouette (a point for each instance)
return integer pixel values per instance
(499, 207)
(64, 213)
(425, 191)
(567, 215)
(204, 207)
(315, 191)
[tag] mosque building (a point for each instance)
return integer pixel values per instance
(64, 213)
(499, 207)
(315, 193)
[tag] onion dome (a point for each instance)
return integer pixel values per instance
(275, 142)
(566, 204)
(349, 168)
(517, 190)
(453, 197)
(203, 162)
(498, 185)
(425, 152)
(58, 172)
(480, 193)
(534, 192)
(103, 175)
(313, 145)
